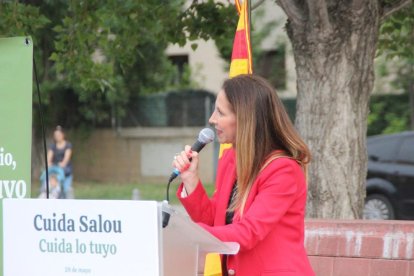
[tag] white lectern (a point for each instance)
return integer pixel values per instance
(101, 237)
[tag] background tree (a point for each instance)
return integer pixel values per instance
(334, 45)
(397, 44)
(94, 56)
(389, 113)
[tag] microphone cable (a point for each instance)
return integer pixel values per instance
(167, 196)
(165, 214)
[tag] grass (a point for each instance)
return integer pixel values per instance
(96, 190)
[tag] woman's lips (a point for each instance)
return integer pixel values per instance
(219, 132)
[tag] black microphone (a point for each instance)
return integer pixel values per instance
(205, 136)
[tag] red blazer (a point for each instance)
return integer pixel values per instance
(271, 231)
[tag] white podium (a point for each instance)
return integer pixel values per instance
(49, 237)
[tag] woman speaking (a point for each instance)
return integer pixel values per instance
(260, 194)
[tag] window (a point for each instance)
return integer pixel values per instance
(181, 62)
(406, 153)
(271, 66)
(383, 149)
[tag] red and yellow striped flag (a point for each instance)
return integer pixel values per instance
(241, 58)
(241, 63)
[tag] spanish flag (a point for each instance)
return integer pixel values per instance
(241, 63)
(241, 58)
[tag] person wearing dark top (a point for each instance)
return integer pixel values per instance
(59, 154)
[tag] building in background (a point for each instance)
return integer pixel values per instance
(275, 63)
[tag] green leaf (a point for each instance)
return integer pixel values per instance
(194, 46)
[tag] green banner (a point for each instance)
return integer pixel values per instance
(16, 55)
(15, 116)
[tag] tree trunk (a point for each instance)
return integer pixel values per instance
(335, 71)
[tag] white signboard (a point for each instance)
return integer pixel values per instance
(80, 237)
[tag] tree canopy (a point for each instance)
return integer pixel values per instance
(100, 54)
(396, 43)
(96, 53)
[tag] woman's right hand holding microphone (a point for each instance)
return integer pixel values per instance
(188, 169)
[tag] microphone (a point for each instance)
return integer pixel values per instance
(205, 137)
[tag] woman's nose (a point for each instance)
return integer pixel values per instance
(212, 119)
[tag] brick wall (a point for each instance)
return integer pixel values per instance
(359, 247)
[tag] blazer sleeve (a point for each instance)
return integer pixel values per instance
(199, 206)
(277, 190)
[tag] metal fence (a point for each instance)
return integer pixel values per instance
(171, 109)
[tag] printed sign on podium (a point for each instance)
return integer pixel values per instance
(80, 237)
(49, 237)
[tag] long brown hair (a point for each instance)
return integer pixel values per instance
(263, 126)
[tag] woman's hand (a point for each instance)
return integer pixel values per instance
(188, 169)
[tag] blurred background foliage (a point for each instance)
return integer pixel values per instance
(95, 56)
(395, 113)
(388, 114)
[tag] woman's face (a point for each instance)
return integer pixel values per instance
(58, 136)
(224, 119)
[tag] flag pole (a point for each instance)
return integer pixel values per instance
(249, 12)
